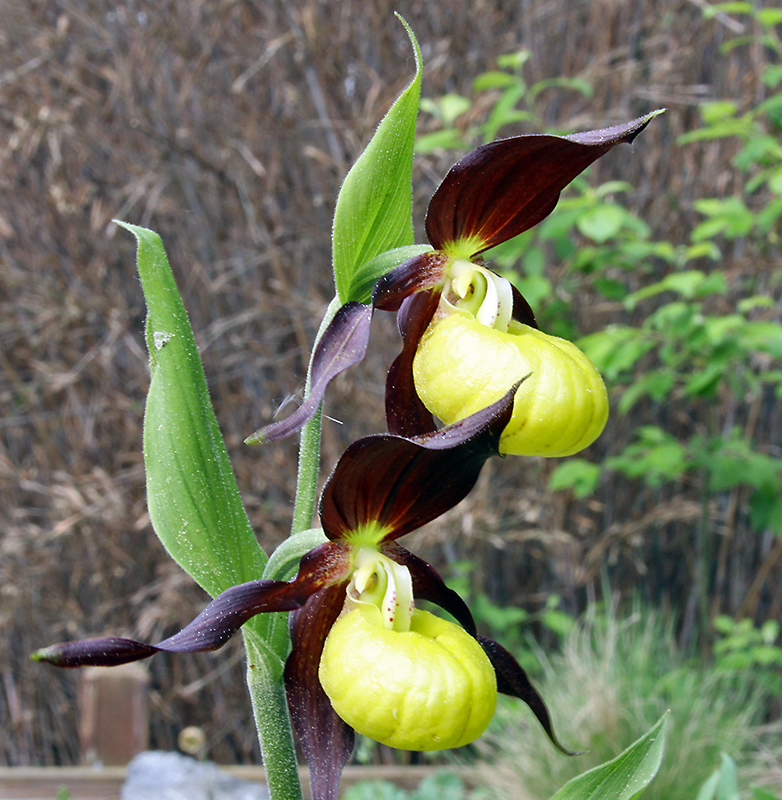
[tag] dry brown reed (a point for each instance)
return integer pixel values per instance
(227, 127)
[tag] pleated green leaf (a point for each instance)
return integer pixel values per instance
(374, 208)
(193, 499)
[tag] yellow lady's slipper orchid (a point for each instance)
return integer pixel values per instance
(403, 676)
(473, 350)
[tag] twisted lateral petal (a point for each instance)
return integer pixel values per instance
(513, 681)
(422, 272)
(343, 344)
(326, 565)
(326, 740)
(504, 188)
(428, 585)
(406, 415)
(210, 630)
(386, 486)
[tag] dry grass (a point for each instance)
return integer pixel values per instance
(227, 127)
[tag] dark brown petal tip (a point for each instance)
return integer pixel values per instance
(513, 681)
(108, 651)
(394, 485)
(406, 415)
(504, 188)
(343, 344)
(326, 740)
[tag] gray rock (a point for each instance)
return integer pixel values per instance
(158, 775)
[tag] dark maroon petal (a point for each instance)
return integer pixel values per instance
(326, 740)
(343, 344)
(428, 585)
(323, 566)
(480, 431)
(401, 484)
(406, 415)
(108, 651)
(210, 630)
(425, 271)
(513, 681)
(504, 188)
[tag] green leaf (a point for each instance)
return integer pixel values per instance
(193, 500)
(284, 561)
(727, 8)
(576, 84)
(448, 139)
(577, 474)
(602, 222)
(370, 273)
(374, 208)
(626, 776)
(769, 17)
(655, 384)
(494, 79)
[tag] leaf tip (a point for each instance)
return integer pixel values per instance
(414, 42)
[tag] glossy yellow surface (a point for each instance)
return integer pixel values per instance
(462, 366)
(428, 688)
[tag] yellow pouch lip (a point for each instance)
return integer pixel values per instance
(428, 688)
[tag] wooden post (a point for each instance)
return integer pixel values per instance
(114, 717)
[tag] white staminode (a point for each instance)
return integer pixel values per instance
(488, 297)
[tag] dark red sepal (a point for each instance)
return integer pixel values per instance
(512, 680)
(401, 484)
(425, 271)
(326, 740)
(428, 585)
(406, 415)
(211, 629)
(504, 188)
(343, 344)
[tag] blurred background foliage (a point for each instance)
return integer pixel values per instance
(227, 127)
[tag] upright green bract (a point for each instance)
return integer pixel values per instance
(193, 500)
(374, 208)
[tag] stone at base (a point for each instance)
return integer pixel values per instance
(158, 775)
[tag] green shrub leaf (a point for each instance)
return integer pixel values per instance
(625, 777)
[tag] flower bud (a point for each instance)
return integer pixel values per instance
(462, 366)
(429, 688)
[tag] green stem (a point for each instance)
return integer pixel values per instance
(264, 667)
(270, 707)
(307, 479)
(309, 446)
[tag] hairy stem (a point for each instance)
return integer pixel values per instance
(309, 446)
(270, 708)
